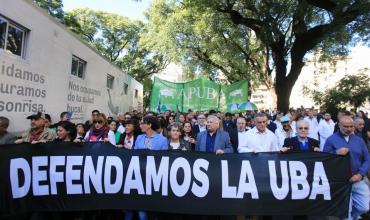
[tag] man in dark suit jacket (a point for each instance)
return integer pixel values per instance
(200, 126)
(301, 142)
(234, 133)
(213, 139)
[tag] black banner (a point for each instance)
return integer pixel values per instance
(90, 176)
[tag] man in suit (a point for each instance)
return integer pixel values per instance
(201, 124)
(238, 133)
(213, 139)
(301, 142)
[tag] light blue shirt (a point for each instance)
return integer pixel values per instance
(155, 142)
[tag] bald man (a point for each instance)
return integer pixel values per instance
(343, 142)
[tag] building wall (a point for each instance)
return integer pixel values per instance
(49, 50)
(319, 76)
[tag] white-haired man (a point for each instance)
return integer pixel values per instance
(213, 139)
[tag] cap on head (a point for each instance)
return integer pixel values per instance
(284, 119)
(37, 115)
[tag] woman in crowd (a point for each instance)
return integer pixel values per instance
(98, 131)
(66, 132)
(162, 126)
(182, 118)
(128, 138)
(171, 119)
(80, 129)
(113, 134)
(175, 140)
(188, 135)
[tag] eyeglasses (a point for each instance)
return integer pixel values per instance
(98, 122)
(303, 128)
(127, 117)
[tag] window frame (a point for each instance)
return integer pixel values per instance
(109, 76)
(19, 28)
(79, 62)
(125, 88)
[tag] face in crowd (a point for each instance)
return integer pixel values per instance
(261, 123)
(62, 133)
(310, 113)
(175, 133)
(171, 120)
(99, 123)
(286, 125)
(241, 124)
(182, 118)
(327, 117)
(80, 129)
(201, 119)
(129, 128)
(302, 129)
(213, 123)
(113, 126)
(37, 123)
(346, 125)
(187, 127)
(95, 116)
(359, 124)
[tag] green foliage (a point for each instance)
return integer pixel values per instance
(351, 91)
(53, 7)
(119, 39)
(251, 39)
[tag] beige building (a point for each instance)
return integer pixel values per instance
(319, 76)
(45, 67)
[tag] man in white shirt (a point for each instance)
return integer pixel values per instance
(259, 139)
(239, 134)
(326, 129)
(314, 125)
(285, 131)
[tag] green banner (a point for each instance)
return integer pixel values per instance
(198, 95)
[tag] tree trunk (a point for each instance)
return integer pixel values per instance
(283, 91)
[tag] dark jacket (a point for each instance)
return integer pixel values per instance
(272, 126)
(184, 145)
(195, 130)
(293, 143)
(222, 142)
(122, 140)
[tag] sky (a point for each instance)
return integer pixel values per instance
(129, 8)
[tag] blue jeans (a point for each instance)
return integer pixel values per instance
(129, 215)
(359, 201)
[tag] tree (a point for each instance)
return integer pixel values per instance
(119, 39)
(55, 9)
(254, 39)
(351, 91)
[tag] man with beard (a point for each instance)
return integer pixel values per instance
(38, 133)
(285, 131)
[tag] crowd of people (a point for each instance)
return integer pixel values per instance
(299, 130)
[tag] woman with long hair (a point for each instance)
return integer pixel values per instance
(188, 135)
(98, 131)
(66, 132)
(128, 138)
(113, 134)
